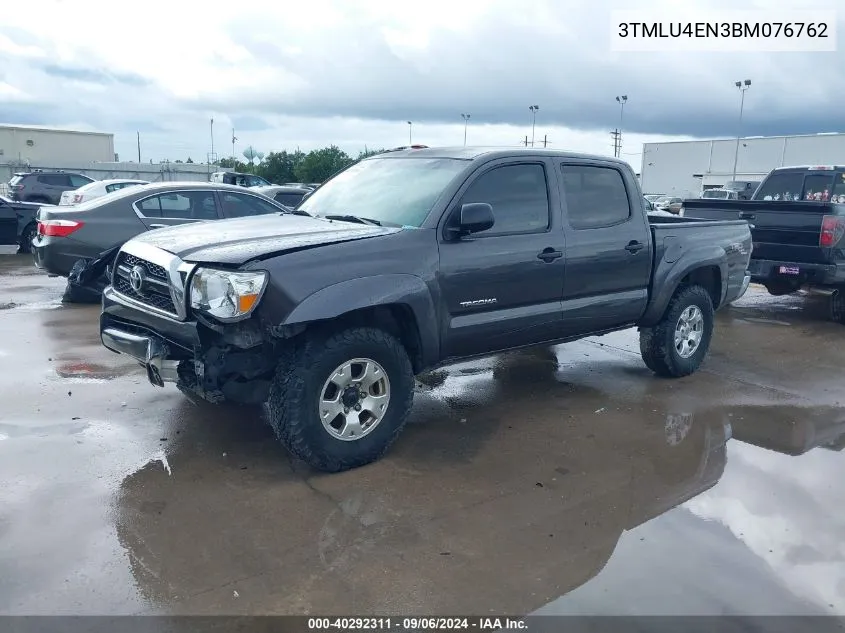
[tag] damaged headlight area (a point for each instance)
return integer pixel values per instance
(227, 295)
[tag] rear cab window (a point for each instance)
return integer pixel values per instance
(807, 185)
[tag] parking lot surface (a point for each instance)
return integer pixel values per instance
(565, 479)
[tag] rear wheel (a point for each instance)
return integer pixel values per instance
(27, 236)
(677, 345)
(339, 400)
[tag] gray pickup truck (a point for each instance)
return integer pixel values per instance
(409, 260)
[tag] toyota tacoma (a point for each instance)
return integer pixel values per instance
(406, 261)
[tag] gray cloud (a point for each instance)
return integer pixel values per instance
(94, 75)
(500, 67)
(250, 124)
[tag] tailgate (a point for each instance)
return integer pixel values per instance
(781, 231)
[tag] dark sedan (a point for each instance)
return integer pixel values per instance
(67, 234)
(17, 223)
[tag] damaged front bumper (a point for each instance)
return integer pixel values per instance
(150, 351)
(225, 363)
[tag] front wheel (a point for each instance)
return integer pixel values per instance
(677, 345)
(338, 401)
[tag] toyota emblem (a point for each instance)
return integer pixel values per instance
(136, 278)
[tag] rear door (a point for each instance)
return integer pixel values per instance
(608, 247)
(8, 224)
(173, 208)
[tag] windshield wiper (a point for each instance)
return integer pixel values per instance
(353, 218)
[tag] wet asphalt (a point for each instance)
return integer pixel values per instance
(559, 480)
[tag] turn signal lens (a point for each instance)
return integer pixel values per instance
(58, 228)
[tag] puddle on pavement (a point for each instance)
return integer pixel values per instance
(91, 372)
(74, 427)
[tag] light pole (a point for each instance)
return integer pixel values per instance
(621, 100)
(466, 120)
(533, 109)
(212, 139)
(410, 141)
(743, 86)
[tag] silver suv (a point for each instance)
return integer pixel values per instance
(44, 186)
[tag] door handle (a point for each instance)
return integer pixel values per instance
(744, 215)
(549, 254)
(634, 247)
(158, 226)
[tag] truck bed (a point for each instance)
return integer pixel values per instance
(782, 231)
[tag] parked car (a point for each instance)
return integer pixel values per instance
(665, 202)
(240, 180)
(84, 231)
(414, 259)
(652, 197)
(719, 194)
(44, 186)
(648, 205)
(288, 196)
(96, 189)
(744, 189)
(17, 223)
(797, 218)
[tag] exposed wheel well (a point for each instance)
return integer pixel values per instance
(709, 278)
(396, 318)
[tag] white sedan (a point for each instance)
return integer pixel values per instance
(97, 189)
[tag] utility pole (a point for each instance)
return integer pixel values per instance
(743, 86)
(466, 120)
(621, 101)
(545, 140)
(526, 140)
(616, 136)
(234, 138)
(212, 139)
(410, 138)
(139, 146)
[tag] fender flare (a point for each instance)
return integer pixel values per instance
(669, 277)
(370, 292)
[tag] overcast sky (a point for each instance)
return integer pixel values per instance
(353, 72)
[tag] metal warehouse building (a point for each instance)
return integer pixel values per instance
(685, 168)
(21, 145)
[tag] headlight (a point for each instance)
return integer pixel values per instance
(226, 295)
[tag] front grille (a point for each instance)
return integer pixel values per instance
(155, 291)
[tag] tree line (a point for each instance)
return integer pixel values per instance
(315, 166)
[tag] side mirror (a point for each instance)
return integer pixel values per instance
(476, 217)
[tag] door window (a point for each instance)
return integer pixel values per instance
(595, 196)
(55, 180)
(184, 205)
(519, 196)
(79, 181)
(237, 205)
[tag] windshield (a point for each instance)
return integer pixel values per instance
(715, 194)
(399, 191)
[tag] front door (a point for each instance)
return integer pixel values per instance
(608, 252)
(502, 287)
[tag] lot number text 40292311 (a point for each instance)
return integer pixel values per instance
(415, 624)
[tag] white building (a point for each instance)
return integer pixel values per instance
(685, 168)
(21, 145)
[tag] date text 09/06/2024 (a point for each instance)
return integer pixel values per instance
(723, 29)
(415, 624)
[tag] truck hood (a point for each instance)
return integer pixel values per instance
(239, 241)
